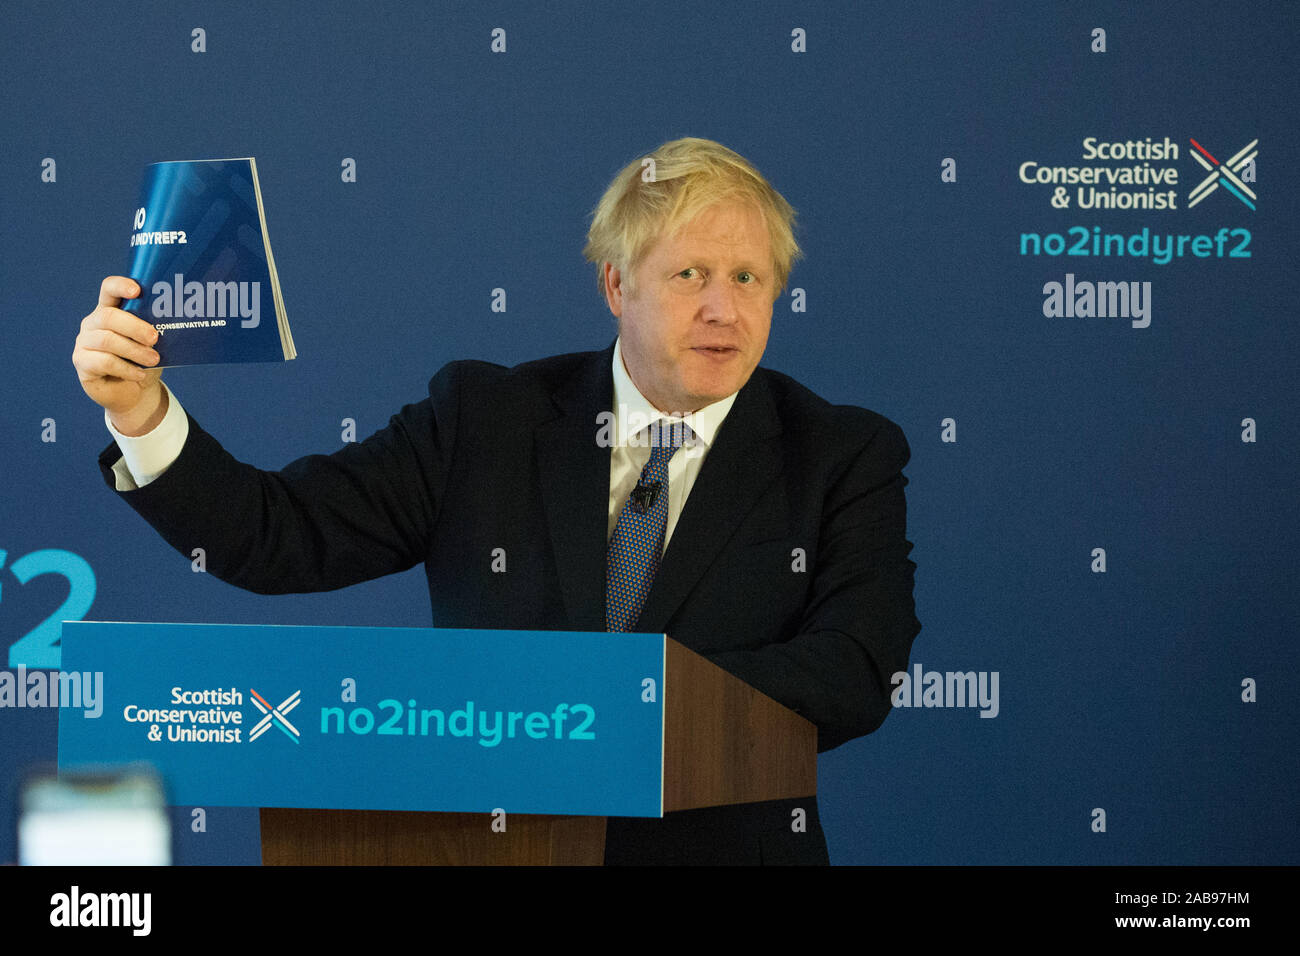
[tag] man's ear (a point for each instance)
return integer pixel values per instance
(614, 289)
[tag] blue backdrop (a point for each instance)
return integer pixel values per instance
(1160, 690)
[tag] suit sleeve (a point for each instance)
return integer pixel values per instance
(321, 522)
(859, 621)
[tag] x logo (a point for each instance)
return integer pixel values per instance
(1223, 174)
(275, 715)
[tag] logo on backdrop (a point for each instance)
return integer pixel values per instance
(1229, 175)
(1135, 176)
(275, 716)
(1141, 175)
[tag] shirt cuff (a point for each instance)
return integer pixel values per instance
(146, 457)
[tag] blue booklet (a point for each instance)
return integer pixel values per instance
(200, 251)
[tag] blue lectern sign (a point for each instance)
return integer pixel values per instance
(377, 718)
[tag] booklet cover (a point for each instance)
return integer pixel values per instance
(200, 251)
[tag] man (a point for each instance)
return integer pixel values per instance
(772, 541)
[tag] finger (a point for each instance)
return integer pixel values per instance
(115, 343)
(123, 323)
(116, 288)
(92, 365)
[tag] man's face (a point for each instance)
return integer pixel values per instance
(695, 327)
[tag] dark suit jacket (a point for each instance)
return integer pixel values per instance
(788, 566)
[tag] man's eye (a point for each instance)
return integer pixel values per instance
(747, 277)
(689, 274)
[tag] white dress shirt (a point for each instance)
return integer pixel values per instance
(147, 456)
(633, 413)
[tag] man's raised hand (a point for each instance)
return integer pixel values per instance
(109, 337)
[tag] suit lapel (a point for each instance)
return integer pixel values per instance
(574, 472)
(745, 458)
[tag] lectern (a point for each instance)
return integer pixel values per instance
(390, 746)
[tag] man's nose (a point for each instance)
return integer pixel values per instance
(719, 301)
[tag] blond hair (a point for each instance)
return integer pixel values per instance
(689, 175)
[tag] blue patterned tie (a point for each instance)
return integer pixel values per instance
(638, 540)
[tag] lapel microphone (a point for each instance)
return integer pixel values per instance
(643, 497)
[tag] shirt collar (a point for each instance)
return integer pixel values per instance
(633, 411)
